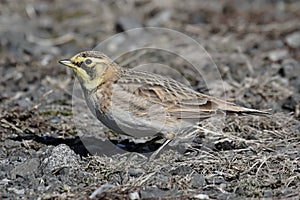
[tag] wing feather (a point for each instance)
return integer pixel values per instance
(179, 100)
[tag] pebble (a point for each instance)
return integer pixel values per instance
(201, 196)
(12, 144)
(216, 180)
(290, 68)
(100, 190)
(293, 39)
(267, 194)
(181, 170)
(135, 172)
(61, 157)
(198, 181)
(152, 193)
(134, 196)
(277, 55)
(27, 168)
(17, 191)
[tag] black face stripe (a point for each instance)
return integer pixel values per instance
(88, 70)
(88, 64)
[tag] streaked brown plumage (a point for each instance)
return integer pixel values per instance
(140, 104)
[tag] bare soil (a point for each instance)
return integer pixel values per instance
(256, 47)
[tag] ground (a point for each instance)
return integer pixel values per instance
(255, 46)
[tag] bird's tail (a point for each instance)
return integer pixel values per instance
(233, 109)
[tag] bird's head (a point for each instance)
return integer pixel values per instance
(90, 67)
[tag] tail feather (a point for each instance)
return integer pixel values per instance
(238, 110)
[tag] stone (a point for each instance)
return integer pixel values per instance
(198, 181)
(293, 39)
(27, 168)
(277, 55)
(201, 196)
(61, 157)
(134, 196)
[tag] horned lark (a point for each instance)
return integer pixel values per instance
(141, 104)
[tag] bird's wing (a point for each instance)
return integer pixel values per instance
(177, 99)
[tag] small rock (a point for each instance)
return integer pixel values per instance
(216, 180)
(267, 194)
(134, 196)
(224, 196)
(152, 193)
(201, 196)
(163, 180)
(11, 144)
(181, 170)
(286, 191)
(17, 191)
(27, 168)
(61, 157)
(5, 181)
(100, 190)
(24, 102)
(55, 120)
(290, 68)
(198, 181)
(290, 103)
(135, 172)
(277, 55)
(293, 40)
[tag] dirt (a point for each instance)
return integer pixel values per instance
(52, 148)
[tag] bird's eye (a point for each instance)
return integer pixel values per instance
(88, 61)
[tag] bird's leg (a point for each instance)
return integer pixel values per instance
(169, 137)
(159, 149)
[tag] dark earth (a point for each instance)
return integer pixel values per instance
(254, 44)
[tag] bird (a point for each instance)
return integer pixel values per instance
(142, 104)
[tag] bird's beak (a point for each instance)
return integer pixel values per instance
(67, 62)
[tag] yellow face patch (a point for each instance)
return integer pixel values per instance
(77, 59)
(73, 63)
(89, 69)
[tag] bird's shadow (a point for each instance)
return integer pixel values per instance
(90, 145)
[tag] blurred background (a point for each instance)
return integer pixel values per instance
(244, 38)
